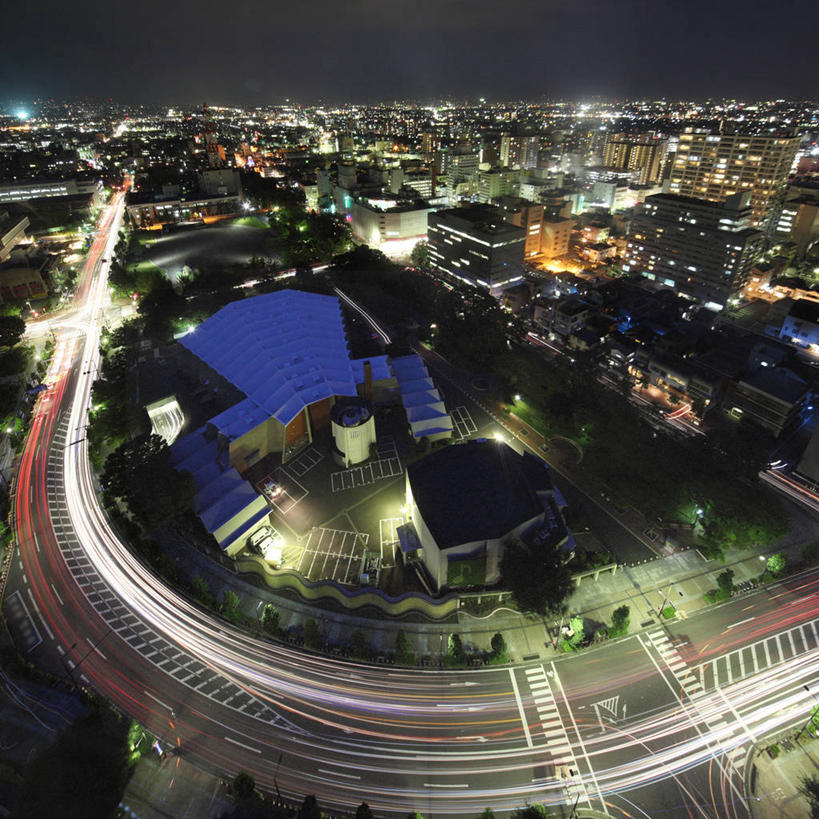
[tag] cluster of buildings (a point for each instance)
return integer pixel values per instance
(281, 364)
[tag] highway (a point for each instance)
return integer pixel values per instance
(656, 724)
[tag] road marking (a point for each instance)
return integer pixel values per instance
(91, 643)
(56, 594)
(520, 708)
(741, 622)
(242, 745)
(430, 785)
(338, 773)
(164, 705)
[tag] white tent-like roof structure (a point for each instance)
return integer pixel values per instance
(283, 350)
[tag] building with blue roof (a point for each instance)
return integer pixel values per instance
(228, 506)
(286, 352)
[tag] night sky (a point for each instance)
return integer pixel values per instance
(183, 52)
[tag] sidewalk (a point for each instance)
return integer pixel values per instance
(679, 580)
(773, 784)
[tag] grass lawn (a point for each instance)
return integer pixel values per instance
(144, 267)
(531, 416)
(250, 221)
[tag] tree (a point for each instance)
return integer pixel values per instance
(579, 635)
(11, 330)
(363, 812)
(200, 590)
(420, 255)
(619, 622)
(809, 788)
(139, 472)
(311, 633)
(309, 808)
(498, 653)
(776, 563)
(536, 811)
(725, 582)
(270, 619)
(359, 647)
(230, 605)
(404, 654)
(455, 650)
(488, 813)
(83, 774)
(244, 786)
(539, 579)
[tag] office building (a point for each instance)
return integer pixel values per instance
(642, 154)
(705, 250)
(495, 183)
(555, 234)
(476, 246)
(716, 166)
(526, 215)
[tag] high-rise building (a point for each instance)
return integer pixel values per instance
(475, 245)
(519, 151)
(715, 166)
(705, 250)
(642, 154)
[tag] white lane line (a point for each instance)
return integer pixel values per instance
(57, 594)
(163, 704)
(91, 643)
(520, 708)
(430, 785)
(338, 773)
(741, 622)
(242, 745)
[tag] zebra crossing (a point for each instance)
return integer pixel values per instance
(693, 689)
(755, 657)
(551, 726)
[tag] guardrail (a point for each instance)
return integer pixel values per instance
(350, 599)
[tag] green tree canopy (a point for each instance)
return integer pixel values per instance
(139, 472)
(363, 812)
(270, 619)
(11, 330)
(404, 654)
(310, 808)
(537, 576)
(244, 786)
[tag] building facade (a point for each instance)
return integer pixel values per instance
(716, 166)
(642, 154)
(476, 246)
(705, 250)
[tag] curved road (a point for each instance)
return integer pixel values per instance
(655, 724)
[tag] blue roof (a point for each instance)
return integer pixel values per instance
(283, 350)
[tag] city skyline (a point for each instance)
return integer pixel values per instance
(368, 52)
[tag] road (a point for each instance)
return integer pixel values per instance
(630, 728)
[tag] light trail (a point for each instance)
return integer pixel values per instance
(411, 739)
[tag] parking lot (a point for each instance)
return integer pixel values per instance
(333, 554)
(387, 465)
(388, 540)
(282, 490)
(304, 462)
(463, 422)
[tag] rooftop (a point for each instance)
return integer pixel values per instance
(479, 490)
(283, 350)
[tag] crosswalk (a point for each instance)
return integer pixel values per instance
(550, 725)
(755, 657)
(692, 687)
